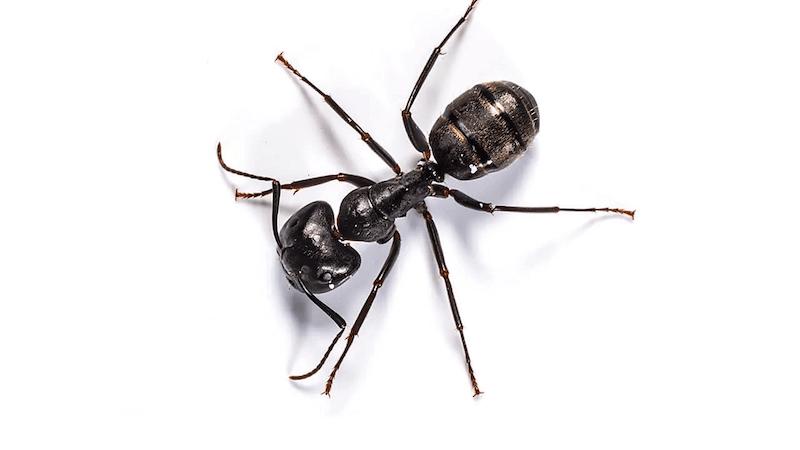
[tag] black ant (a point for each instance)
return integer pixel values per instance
(484, 130)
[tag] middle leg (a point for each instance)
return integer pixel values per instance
(355, 180)
(433, 234)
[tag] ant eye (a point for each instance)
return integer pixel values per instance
(326, 277)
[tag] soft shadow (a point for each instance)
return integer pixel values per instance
(542, 254)
(323, 120)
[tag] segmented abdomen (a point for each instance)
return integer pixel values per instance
(485, 129)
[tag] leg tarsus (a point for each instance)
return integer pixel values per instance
(469, 365)
(321, 362)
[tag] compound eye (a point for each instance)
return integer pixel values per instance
(326, 279)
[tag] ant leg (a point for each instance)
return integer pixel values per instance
(334, 316)
(355, 180)
(469, 202)
(445, 274)
(238, 172)
(387, 266)
(276, 198)
(415, 134)
(276, 201)
(380, 151)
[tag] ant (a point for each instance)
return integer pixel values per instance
(483, 130)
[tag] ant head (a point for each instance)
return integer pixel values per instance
(312, 253)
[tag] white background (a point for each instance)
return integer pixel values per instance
(143, 308)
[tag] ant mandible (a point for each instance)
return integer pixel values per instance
(484, 130)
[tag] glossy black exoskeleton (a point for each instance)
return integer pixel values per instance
(312, 253)
(484, 130)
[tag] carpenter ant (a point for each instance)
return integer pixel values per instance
(484, 130)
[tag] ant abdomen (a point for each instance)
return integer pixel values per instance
(484, 130)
